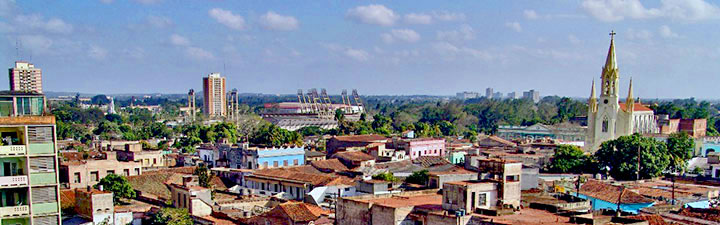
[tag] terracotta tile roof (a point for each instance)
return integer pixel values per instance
(454, 170)
(405, 201)
(353, 156)
(652, 219)
(333, 165)
(361, 138)
(499, 140)
(297, 212)
(285, 174)
(218, 221)
(314, 154)
(638, 107)
(67, 199)
(610, 193)
(428, 161)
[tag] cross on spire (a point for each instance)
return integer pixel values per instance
(612, 34)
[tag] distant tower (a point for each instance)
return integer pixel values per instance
(111, 106)
(234, 105)
(191, 105)
(214, 97)
(25, 77)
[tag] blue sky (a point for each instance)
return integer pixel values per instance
(668, 47)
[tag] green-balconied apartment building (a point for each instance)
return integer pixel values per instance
(29, 188)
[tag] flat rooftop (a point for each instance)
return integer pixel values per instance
(405, 201)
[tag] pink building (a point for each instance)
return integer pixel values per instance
(423, 147)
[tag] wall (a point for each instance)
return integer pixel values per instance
(529, 178)
(100, 166)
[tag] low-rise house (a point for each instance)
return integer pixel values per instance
(96, 206)
(354, 159)
(263, 157)
(567, 132)
(375, 187)
(147, 158)
(329, 166)
(495, 142)
(83, 173)
(209, 155)
(436, 179)
(293, 213)
(290, 183)
(190, 195)
(607, 196)
(497, 188)
(342, 143)
(418, 147)
(314, 156)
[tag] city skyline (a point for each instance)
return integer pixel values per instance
(156, 46)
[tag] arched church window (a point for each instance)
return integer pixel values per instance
(605, 125)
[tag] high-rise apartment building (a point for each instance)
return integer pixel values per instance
(25, 77)
(29, 187)
(214, 98)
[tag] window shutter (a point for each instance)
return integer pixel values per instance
(44, 195)
(46, 220)
(42, 164)
(38, 135)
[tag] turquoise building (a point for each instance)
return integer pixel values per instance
(257, 157)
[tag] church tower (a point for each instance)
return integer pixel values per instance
(603, 112)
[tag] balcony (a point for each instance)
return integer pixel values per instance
(14, 211)
(45, 208)
(12, 150)
(13, 181)
(44, 178)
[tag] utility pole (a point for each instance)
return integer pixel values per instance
(637, 178)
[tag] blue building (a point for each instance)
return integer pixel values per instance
(606, 196)
(263, 157)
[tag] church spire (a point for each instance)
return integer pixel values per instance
(592, 102)
(610, 62)
(630, 102)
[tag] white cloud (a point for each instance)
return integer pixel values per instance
(451, 50)
(159, 21)
(667, 33)
(418, 18)
(198, 53)
(357, 54)
(148, 2)
(227, 18)
(7, 7)
(514, 25)
(465, 33)
(617, 10)
(53, 25)
(639, 34)
(136, 53)
(373, 14)
(36, 43)
(530, 14)
(274, 21)
(574, 40)
(97, 52)
(178, 40)
(406, 35)
(448, 16)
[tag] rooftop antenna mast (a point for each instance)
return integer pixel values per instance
(18, 46)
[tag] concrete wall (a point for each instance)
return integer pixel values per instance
(529, 178)
(350, 212)
(437, 181)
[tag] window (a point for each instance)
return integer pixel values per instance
(605, 125)
(126, 172)
(265, 164)
(482, 199)
(285, 162)
(295, 162)
(42, 164)
(154, 161)
(94, 176)
(76, 178)
(137, 171)
(110, 172)
(275, 163)
(512, 178)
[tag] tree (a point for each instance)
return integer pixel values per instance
(447, 128)
(99, 100)
(118, 185)
(172, 216)
(418, 177)
(620, 155)
(339, 115)
(470, 135)
(680, 146)
(387, 176)
(568, 159)
(382, 124)
(204, 176)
